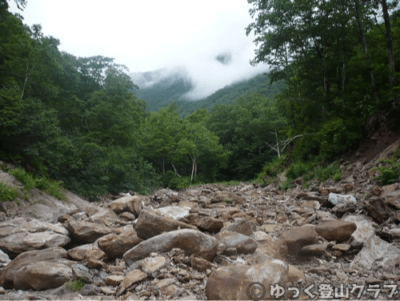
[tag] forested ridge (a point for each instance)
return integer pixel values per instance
(78, 120)
(175, 86)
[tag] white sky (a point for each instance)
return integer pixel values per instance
(147, 35)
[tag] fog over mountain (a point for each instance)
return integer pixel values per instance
(201, 76)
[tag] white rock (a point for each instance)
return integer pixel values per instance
(175, 212)
(377, 254)
(338, 199)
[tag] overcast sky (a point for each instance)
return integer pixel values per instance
(148, 35)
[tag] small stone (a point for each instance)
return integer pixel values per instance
(131, 278)
(114, 280)
(153, 264)
(95, 264)
(342, 247)
(200, 264)
(128, 216)
(295, 275)
(341, 275)
(313, 250)
(336, 253)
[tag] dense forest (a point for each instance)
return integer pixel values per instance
(78, 120)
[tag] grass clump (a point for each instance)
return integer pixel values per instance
(50, 186)
(272, 170)
(25, 178)
(7, 193)
(309, 171)
(389, 172)
(76, 285)
(330, 172)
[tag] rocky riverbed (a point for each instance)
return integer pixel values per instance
(336, 240)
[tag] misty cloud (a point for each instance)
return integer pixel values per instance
(206, 40)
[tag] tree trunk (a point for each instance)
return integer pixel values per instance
(343, 78)
(27, 74)
(277, 144)
(389, 41)
(176, 172)
(364, 44)
(193, 164)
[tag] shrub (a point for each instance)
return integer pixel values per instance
(329, 172)
(390, 171)
(336, 136)
(298, 169)
(50, 186)
(7, 193)
(180, 183)
(272, 169)
(25, 178)
(76, 285)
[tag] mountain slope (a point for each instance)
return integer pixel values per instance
(258, 84)
(162, 87)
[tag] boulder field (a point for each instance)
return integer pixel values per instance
(208, 242)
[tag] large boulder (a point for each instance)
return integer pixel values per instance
(87, 232)
(242, 243)
(37, 270)
(378, 209)
(297, 238)
(377, 254)
(20, 235)
(242, 226)
(116, 245)
(207, 223)
(128, 203)
(151, 224)
(237, 282)
(277, 249)
(42, 275)
(393, 199)
(364, 229)
(190, 241)
(338, 230)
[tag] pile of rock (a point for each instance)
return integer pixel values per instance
(210, 242)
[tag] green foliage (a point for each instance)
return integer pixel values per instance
(25, 178)
(50, 186)
(245, 129)
(272, 169)
(310, 170)
(315, 47)
(330, 172)
(259, 84)
(389, 172)
(179, 183)
(7, 193)
(298, 169)
(335, 137)
(76, 285)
